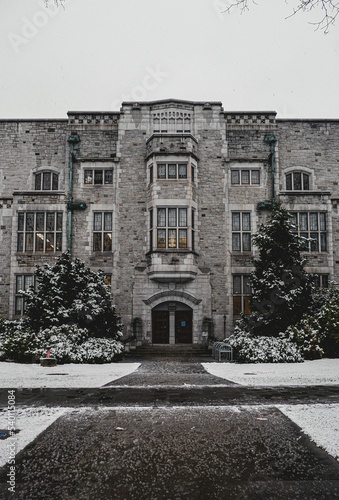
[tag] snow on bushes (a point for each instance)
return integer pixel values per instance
(317, 333)
(71, 312)
(68, 344)
(307, 335)
(250, 349)
(70, 293)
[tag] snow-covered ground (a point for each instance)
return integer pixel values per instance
(15, 375)
(317, 372)
(29, 422)
(320, 422)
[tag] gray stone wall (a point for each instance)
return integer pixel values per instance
(25, 147)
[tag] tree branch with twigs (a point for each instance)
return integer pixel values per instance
(329, 10)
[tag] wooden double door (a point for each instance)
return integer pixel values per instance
(172, 327)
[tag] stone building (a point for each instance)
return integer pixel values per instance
(163, 196)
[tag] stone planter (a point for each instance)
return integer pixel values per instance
(48, 361)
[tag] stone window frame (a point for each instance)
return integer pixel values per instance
(108, 279)
(102, 237)
(190, 175)
(92, 180)
(172, 121)
(241, 234)
(41, 180)
(321, 280)
(190, 228)
(36, 229)
(304, 220)
(167, 166)
(303, 171)
(93, 167)
(27, 280)
(171, 228)
(241, 177)
(43, 172)
(241, 294)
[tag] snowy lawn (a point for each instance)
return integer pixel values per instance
(29, 422)
(317, 372)
(319, 422)
(15, 375)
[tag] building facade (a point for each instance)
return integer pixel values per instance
(164, 196)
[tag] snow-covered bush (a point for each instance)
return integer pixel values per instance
(64, 342)
(2, 331)
(261, 349)
(326, 311)
(317, 334)
(70, 293)
(71, 312)
(308, 336)
(17, 342)
(96, 350)
(67, 343)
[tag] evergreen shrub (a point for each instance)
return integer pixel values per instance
(249, 349)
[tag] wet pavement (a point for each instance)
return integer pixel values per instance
(172, 431)
(164, 382)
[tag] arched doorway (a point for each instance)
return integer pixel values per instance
(172, 323)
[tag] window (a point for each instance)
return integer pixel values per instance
(172, 122)
(193, 229)
(320, 280)
(98, 176)
(151, 239)
(171, 228)
(245, 176)
(241, 295)
(39, 232)
(102, 231)
(297, 181)
(108, 279)
(23, 282)
(311, 225)
(46, 181)
(151, 174)
(172, 170)
(241, 231)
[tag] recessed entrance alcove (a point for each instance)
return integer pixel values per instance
(172, 323)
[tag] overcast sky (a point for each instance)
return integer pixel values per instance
(94, 54)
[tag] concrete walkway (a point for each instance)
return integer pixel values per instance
(185, 444)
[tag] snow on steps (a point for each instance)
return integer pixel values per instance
(166, 350)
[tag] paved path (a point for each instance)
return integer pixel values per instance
(166, 383)
(147, 436)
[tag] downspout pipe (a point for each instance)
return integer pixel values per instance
(271, 140)
(72, 140)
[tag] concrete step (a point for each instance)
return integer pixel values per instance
(165, 350)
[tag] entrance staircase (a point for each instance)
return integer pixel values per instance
(170, 351)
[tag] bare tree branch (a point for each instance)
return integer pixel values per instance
(329, 10)
(57, 3)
